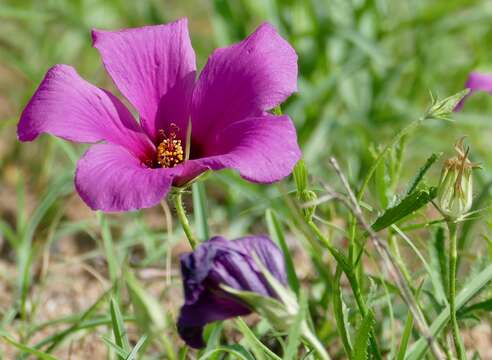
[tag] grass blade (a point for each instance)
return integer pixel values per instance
(277, 233)
(108, 247)
(254, 341)
(27, 349)
(405, 337)
(122, 354)
(294, 336)
(338, 311)
(473, 287)
(133, 354)
(237, 350)
(119, 331)
(200, 210)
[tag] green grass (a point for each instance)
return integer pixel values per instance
(366, 68)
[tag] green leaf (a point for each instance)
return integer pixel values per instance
(39, 354)
(295, 332)
(133, 354)
(405, 207)
(421, 173)
(213, 341)
(254, 341)
(361, 343)
(237, 350)
(277, 234)
(485, 305)
(200, 210)
(339, 314)
(405, 337)
(268, 307)
(119, 331)
(109, 249)
(472, 288)
(57, 189)
(122, 353)
(77, 325)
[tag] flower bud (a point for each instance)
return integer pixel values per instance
(308, 196)
(441, 109)
(304, 195)
(455, 192)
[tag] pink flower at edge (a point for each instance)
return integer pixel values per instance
(133, 165)
(476, 82)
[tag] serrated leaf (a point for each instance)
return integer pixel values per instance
(361, 343)
(405, 207)
(421, 173)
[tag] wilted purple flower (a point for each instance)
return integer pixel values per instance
(476, 82)
(219, 262)
(154, 68)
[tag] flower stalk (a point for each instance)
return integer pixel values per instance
(454, 201)
(183, 219)
(453, 259)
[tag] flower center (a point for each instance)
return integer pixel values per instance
(170, 150)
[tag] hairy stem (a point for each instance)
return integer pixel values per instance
(183, 219)
(388, 262)
(453, 259)
(352, 278)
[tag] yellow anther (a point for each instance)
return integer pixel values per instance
(169, 153)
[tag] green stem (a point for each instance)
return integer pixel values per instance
(311, 338)
(453, 258)
(403, 132)
(178, 204)
(351, 277)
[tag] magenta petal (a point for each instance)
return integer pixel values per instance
(154, 68)
(243, 80)
(110, 178)
(476, 82)
(67, 106)
(262, 149)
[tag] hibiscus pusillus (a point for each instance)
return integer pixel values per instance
(186, 125)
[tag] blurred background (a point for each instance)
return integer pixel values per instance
(367, 68)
